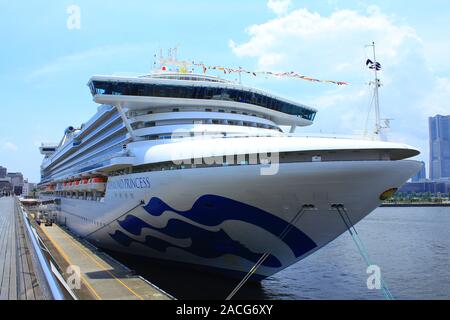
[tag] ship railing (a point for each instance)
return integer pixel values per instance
(270, 135)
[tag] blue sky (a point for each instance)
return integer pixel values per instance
(44, 66)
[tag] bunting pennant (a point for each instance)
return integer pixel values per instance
(290, 74)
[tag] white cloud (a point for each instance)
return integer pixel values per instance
(333, 47)
(325, 41)
(8, 146)
(438, 100)
(279, 7)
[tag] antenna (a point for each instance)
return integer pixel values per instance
(171, 62)
(240, 76)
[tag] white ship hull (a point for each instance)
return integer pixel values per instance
(225, 218)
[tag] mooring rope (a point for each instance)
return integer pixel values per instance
(267, 254)
(360, 245)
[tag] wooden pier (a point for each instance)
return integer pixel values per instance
(18, 279)
(102, 277)
(33, 271)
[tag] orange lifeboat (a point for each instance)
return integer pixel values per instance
(70, 185)
(97, 184)
(83, 186)
(76, 185)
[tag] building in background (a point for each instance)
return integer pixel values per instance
(5, 186)
(432, 187)
(3, 172)
(439, 127)
(29, 189)
(438, 182)
(421, 175)
(16, 182)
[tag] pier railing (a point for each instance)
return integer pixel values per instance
(54, 281)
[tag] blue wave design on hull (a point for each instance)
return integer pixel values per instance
(212, 210)
(204, 243)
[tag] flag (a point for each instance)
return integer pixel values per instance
(372, 65)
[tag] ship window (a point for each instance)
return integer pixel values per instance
(141, 89)
(149, 124)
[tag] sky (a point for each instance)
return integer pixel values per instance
(46, 60)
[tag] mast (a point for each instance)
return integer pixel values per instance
(376, 83)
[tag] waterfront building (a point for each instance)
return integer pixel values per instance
(439, 127)
(433, 187)
(5, 186)
(28, 189)
(3, 171)
(421, 175)
(16, 182)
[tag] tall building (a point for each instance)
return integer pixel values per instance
(439, 127)
(5, 186)
(3, 171)
(28, 189)
(16, 182)
(421, 175)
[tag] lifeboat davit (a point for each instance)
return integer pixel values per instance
(84, 185)
(97, 184)
(76, 185)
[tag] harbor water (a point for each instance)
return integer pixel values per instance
(411, 246)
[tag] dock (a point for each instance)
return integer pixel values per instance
(102, 276)
(18, 279)
(46, 262)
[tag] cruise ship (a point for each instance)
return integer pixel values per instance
(200, 171)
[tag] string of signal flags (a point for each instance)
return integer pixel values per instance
(290, 74)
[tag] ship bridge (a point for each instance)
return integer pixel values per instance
(179, 92)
